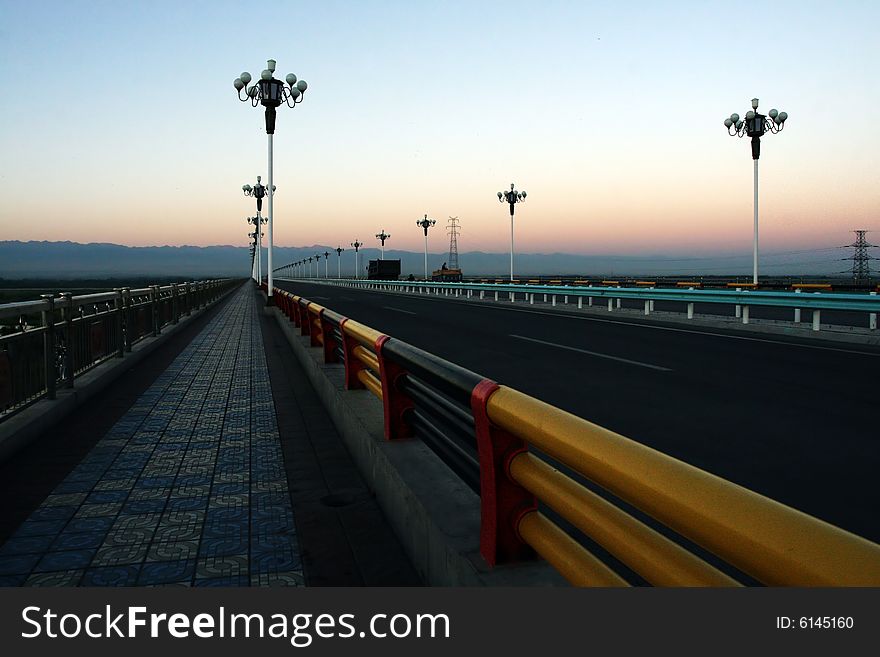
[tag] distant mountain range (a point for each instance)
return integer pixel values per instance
(95, 260)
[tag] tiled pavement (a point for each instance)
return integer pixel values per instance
(187, 488)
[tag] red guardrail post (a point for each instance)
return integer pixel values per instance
(353, 364)
(304, 321)
(330, 342)
(394, 401)
(314, 318)
(502, 501)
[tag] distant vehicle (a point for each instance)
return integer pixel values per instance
(446, 275)
(383, 270)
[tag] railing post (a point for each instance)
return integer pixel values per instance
(353, 364)
(395, 402)
(872, 317)
(797, 311)
(129, 320)
(119, 307)
(738, 307)
(186, 298)
(817, 314)
(49, 345)
(67, 316)
(175, 308)
(314, 318)
(329, 345)
(503, 502)
(690, 307)
(304, 320)
(154, 308)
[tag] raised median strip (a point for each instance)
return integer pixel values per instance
(491, 439)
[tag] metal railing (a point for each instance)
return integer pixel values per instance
(742, 298)
(59, 338)
(498, 440)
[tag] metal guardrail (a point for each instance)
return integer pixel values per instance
(741, 299)
(58, 338)
(493, 437)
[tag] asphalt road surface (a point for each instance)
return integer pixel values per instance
(794, 419)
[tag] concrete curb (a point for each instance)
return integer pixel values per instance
(440, 532)
(23, 427)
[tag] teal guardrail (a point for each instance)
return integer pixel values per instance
(868, 303)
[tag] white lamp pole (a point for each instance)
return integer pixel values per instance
(270, 93)
(425, 224)
(357, 245)
(511, 197)
(755, 126)
(339, 251)
(382, 237)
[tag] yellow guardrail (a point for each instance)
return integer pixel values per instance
(773, 543)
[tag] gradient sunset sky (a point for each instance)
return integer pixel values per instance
(120, 122)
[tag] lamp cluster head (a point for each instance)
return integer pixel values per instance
(269, 91)
(755, 124)
(425, 224)
(511, 197)
(356, 244)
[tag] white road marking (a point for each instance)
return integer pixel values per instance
(593, 353)
(399, 310)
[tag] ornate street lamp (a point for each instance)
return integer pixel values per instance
(357, 245)
(511, 197)
(255, 236)
(755, 126)
(382, 237)
(339, 251)
(270, 93)
(425, 224)
(326, 263)
(257, 221)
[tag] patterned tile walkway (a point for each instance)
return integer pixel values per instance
(187, 488)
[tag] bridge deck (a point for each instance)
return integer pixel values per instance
(189, 486)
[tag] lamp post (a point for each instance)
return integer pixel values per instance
(257, 221)
(755, 126)
(326, 263)
(382, 237)
(339, 251)
(425, 224)
(310, 265)
(253, 262)
(255, 236)
(357, 245)
(511, 197)
(270, 93)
